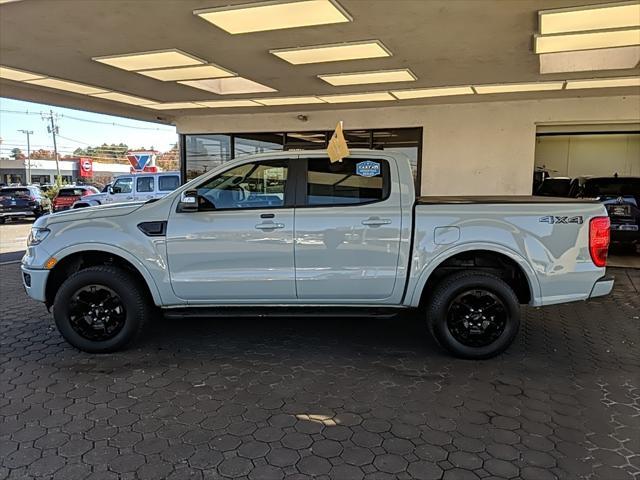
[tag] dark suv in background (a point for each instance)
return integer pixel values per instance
(20, 202)
(621, 197)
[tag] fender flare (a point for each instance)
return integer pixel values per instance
(530, 275)
(106, 248)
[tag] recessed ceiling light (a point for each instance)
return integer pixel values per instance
(18, 75)
(270, 15)
(360, 78)
(288, 101)
(587, 40)
(124, 98)
(358, 97)
(188, 73)
(518, 87)
(333, 53)
(68, 86)
(604, 83)
(619, 58)
(230, 103)
(174, 105)
(592, 17)
(228, 86)
(150, 60)
(431, 92)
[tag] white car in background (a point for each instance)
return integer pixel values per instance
(133, 188)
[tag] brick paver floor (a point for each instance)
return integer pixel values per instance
(323, 398)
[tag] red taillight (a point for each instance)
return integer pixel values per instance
(599, 230)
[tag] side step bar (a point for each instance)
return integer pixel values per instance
(283, 311)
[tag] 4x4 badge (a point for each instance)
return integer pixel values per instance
(553, 219)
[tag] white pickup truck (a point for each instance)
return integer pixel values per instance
(294, 234)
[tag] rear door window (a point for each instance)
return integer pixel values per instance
(15, 192)
(353, 181)
(71, 192)
(168, 183)
(144, 184)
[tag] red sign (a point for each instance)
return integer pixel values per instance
(85, 167)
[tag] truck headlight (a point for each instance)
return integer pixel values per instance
(37, 235)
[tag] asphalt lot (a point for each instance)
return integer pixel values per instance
(323, 398)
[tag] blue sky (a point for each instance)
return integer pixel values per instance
(77, 129)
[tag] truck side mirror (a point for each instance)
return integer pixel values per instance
(188, 201)
(110, 190)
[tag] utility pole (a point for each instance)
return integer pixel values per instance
(53, 130)
(28, 132)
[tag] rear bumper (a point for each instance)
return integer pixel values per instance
(602, 287)
(35, 282)
(17, 213)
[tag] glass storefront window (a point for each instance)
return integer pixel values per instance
(402, 140)
(306, 141)
(204, 152)
(252, 143)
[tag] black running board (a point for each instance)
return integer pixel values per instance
(283, 311)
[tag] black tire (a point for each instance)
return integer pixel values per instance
(2, 220)
(131, 296)
(441, 314)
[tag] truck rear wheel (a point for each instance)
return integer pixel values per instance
(101, 309)
(474, 314)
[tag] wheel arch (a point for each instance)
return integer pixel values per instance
(480, 256)
(74, 258)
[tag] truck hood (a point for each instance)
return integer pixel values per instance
(100, 211)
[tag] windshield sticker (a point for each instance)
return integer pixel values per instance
(368, 169)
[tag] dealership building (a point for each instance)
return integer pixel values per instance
(44, 172)
(479, 94)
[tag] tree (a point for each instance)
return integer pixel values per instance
(17, 154)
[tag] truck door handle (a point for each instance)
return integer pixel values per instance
(269, 226)
(376, 221)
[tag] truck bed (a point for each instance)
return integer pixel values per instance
(498, 199)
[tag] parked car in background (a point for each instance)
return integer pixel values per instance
(20, 202)
(142, 187)
(67, 196)
(554, 187)
(133, 188)
(621, 197)
(92, 199)
(294, 233)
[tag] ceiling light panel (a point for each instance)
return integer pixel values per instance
(288, 101)
(361, 78)
(519, 87)
(150, 60)
(124, 98)
(68, 86)
(228, 86)
(431, 92)
(595, 17)
(604, 83)
(175, 105)
(230, 103)
(18, 75)
(332, 53)
(262, 16)
(358, 97)
(188, 73)
(587, 40)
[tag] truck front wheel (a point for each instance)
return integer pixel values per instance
(101, 309)
(473, 314)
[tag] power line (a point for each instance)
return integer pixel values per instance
(71, 117)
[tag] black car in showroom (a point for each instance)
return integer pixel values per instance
(621, 197)
(20, 202)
